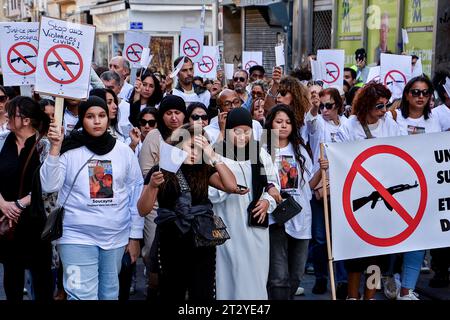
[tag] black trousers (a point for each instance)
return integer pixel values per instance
(39, 264)
(185, 269)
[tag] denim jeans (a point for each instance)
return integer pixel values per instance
(412, 262)
(90, 273)
(287, 263)
(319, 246)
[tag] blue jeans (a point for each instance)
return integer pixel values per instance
(287, 263)
(412, 262)
(319, 246)
(90, 273)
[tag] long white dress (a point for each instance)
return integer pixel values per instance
(242, 265)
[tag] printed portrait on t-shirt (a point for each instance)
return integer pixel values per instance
(415, 130)
(288, 172)
(100, 179)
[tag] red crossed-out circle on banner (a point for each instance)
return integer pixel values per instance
(19, 49)
(132, 52)
(331, 69)
(412, 222)
(60, 62)
(250, 63)
(206, 65)
(191, 48)
(394, 75)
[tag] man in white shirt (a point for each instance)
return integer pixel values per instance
(186, 89)
(111, 80)
(227, 100)
(70, 115)
(440, 80)
(122, 67)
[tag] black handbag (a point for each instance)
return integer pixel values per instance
(286, 210)
(53, 228)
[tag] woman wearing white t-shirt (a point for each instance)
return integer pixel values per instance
(368, 120)
(99, 179)
(414, 117)
(289, 242)
(323, 127)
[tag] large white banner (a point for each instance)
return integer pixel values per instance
(207, 66)
(133, 48)
(331, 63)
(19, 50)
(390, 195)
(64, 58)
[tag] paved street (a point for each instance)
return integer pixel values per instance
(425, 292)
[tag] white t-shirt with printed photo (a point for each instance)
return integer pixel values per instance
(410, 126)
(289, 177)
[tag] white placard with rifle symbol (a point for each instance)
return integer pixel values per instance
(134, 45)
(395, 72)
(331, 66)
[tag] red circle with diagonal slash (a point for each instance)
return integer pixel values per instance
(20, 55)
(389, 74)
(331, 74)
(191, 44)
(133, 54)
(73, 77)
(203, 67)
(412, 222)
(250, 64)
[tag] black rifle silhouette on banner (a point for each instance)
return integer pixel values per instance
(58, 63)
(375, 197)
(18, 59)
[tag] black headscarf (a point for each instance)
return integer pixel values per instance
(99, 145)
(167, 103)
(242, 117)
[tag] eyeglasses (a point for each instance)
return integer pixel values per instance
(195, 117)
(3, 98)
(241, 79)
(380, 106)
(327, 106)
(151, 123)
(236, 102)
(417, 92)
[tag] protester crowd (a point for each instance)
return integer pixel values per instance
(250, 143)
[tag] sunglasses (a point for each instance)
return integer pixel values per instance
(282, 92)
(257, 94)
(327, 106)
(195, 117)
(241, 79)
(151, 123)
(3, 98)
(417, 92)
(315, 83)
(380, 106)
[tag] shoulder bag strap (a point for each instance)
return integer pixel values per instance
(74, 180)
(367, 131)
(27, 162)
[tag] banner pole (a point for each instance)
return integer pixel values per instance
(327, 226)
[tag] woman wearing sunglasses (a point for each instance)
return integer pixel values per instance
(3, 118)
(323, 127)
(414, 115)
(368, 120)
(147, 122)
(197, 113)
